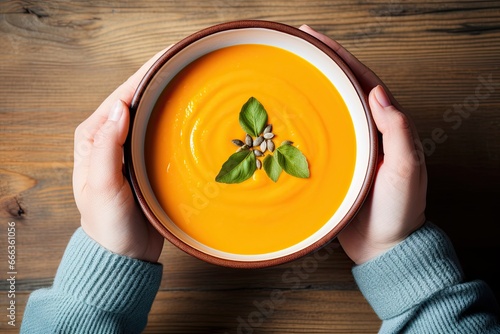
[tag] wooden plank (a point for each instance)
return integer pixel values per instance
(262, 311)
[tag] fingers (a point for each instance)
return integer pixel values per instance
(369, 80)
(398, 142)
(106, 157)
(83, 146)
(86, 131)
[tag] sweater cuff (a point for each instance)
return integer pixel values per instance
(108, 281)
(418, 267)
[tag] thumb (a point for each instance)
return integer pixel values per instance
(397, 138)
(106, 160)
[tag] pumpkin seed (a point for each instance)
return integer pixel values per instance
(237, 142)
(263, 146)
(257, 141)
(268, 129)
(268, 135)
(248, 140)
(270, 145)
(258, 163)
(258, 153)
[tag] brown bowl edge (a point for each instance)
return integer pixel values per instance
(242, 24)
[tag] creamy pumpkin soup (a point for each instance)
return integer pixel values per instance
(192, 133)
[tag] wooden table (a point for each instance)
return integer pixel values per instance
(60, 59)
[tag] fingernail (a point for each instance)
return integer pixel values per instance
(382, 97)
(116, 111)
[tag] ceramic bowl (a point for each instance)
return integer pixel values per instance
(250, 32)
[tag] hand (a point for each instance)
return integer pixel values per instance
(109, 214)
(396, 204)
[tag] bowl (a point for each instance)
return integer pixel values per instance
(241, 230)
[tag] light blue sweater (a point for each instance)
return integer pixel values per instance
(94, 291)
(419, 287)
(416, 287)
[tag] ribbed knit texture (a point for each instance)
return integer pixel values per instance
(418, 287)
(94, 291)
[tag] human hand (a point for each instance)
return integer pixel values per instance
(109, 213)
(396, 204)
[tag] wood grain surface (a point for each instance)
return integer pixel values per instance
(60, 59)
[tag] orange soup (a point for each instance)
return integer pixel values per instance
(189, 138)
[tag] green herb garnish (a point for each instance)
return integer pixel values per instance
(242, 165)
(239, 167)
(253, 117)
(272, 167)
(292, 161)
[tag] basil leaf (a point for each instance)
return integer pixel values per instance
(292, 161)
(253, 117)
(272, 168)
(239, 167)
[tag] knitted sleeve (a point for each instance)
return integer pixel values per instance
(419, 287)
(94, 291)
